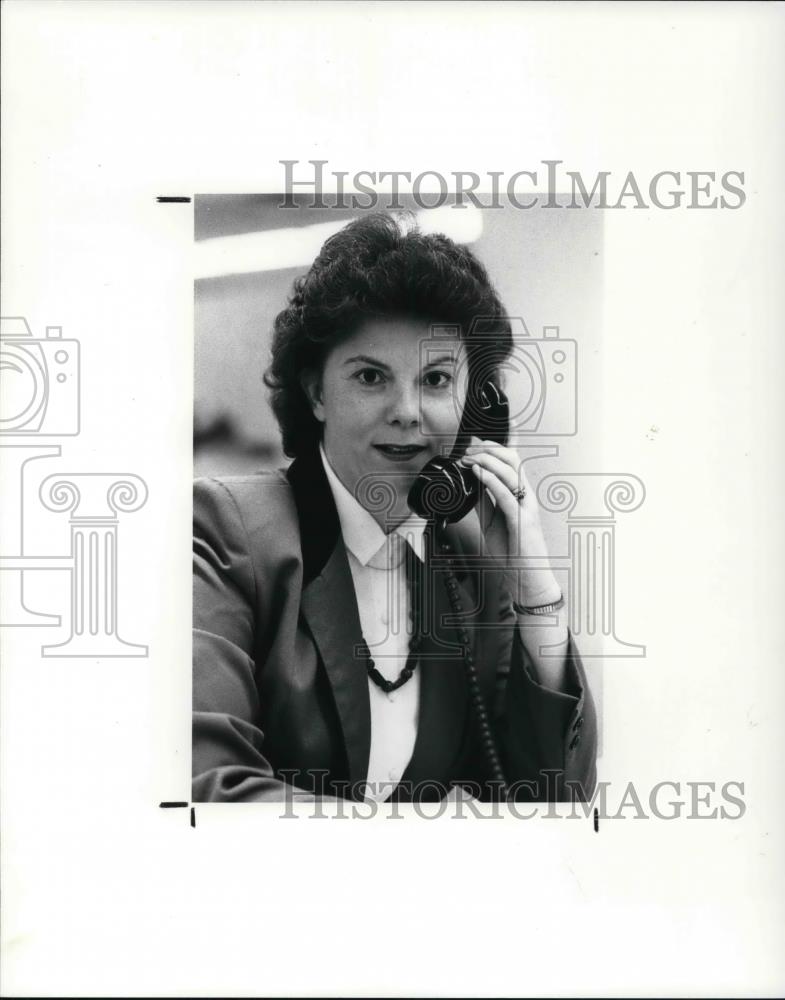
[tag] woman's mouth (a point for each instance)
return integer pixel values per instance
(399, 452)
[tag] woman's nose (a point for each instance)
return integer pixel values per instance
(405, 408)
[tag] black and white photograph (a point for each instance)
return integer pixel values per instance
(409, 399)
(391, 446)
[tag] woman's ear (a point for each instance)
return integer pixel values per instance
(311, 381)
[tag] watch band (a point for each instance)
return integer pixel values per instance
(540, 609)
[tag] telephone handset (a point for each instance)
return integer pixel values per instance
(446, 490)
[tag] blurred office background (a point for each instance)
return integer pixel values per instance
(546, 265)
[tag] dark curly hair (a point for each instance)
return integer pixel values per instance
(376, 267)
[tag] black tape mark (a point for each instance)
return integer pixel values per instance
(164, 199)
(172, 805)
(596, 821)
(193, 816)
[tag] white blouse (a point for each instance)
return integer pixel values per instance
(377, 563)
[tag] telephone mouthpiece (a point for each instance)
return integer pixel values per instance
(444, 490)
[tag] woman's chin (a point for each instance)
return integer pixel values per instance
(385, 501)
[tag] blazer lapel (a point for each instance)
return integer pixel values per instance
(443, 690)
(329, 606)
(330, 609)
(479, 583)
(444, 702)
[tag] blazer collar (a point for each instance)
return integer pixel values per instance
(329, 606)
(319, 525)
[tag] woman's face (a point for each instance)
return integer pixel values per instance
(390, 397)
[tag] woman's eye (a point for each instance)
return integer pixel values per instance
(369, 376)
(438, 380)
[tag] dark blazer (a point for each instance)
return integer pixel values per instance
(279, 696)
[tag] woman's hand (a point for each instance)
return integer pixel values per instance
(512, 527)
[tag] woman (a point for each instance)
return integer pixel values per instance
(345, 645)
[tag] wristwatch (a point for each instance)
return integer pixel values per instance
(540, 609)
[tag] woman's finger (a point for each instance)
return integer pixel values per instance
(500, 492)
(509, 455)
(509, 475)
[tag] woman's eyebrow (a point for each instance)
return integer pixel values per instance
(367, 360)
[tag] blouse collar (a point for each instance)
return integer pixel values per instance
(362, 534)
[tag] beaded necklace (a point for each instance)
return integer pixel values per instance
(414, 573)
